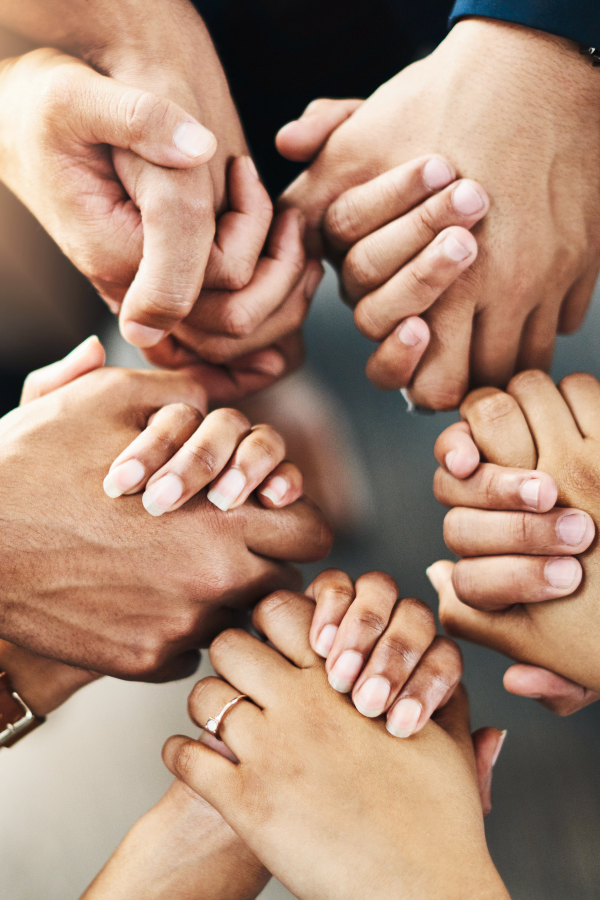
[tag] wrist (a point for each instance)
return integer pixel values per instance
(43, 684)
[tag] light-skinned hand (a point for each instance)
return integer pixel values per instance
(327, 799)
(526, 522)
(539, 246)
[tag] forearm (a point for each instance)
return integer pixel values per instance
(180, 850)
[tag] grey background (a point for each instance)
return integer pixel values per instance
(71, 790)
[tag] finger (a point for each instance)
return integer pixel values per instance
(499, 428)
(417, 285)
(296, 533)
(301, 140)
(558, 694)
(576, 303)
(392, 658)
(362, 626)
(238, 314)
(150, 391)
(496, 582)
(178, 220)
(457, 451)
(431, 684)
(155, 128)
(453, 717)
(547, 413)
(496, 341)
(252, 667)
(285, 619)
(88, 356)
(169, 429)
(393, 364)
(282, 487)
(206, 701)
(582, 394)
(255, 457)
(494, 487)
(377, 257)
(241, 231)
(202, 769)
(442, 376)
(478, 532)
(487, 744)
(364, 208)
(539, 335)
(333, 592)
(204, 454)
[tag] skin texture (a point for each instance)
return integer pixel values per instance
(81, 582)
(556, 431)
(326, 799)
(94, 159)
(539, 245)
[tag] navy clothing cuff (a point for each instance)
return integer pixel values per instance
(577, 20)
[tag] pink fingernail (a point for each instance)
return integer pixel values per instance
(275, 489)
(571, 528)
(453, 249)
(437, 174)
(163, 494)
(123, 478)
(345, 671)
(562, 572)
(466, 200)
(450, 457)
(499, 746)
(141, 335)
(404, 718)
(193, 139)
(227, 489)
(370, 700)
(530, 492)
(407, 335)
(326, 640)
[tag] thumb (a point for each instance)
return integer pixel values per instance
(161, 132)
(85, 358)
(301, 140)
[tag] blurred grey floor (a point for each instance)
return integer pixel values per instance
(71, 790)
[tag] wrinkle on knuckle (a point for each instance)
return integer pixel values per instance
(143, 112)
(184, 759)
(342, 220)
(370, 622)
(493, 409)
(204, 458)
(421, 615)
(425, 224)
(363, 264)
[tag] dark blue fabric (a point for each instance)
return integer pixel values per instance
(578, 20)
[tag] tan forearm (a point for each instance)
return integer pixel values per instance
(180, 850)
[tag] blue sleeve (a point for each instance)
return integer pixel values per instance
(578, 20)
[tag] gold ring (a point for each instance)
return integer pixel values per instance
(213, 724)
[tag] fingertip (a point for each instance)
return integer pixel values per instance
(413, 332)
(462, 461)
(548, 492)
(195, 142)
(440, 573)
(141, 335)
(458, 246)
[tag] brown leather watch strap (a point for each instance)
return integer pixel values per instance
(16, 719)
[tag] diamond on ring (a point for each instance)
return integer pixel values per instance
(212, 725)
(214, 722)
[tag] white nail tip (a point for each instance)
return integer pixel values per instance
(110, 488)
(270, 495)
(223, 503)
(342, 687)
(397, 733)
(151, 507)
(369, 713)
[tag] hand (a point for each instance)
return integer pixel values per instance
(539, 245)
(181, 452)
(381, 650)
(325, 798)
(516, 603)
(102, 585)
(398, 240)
(180, 849)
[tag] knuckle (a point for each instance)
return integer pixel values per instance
(421, 280)
(143, 112)
(521, 528)
(370, 622)
(275, 605)
(233, 418)
(494, 408)
(204, 458)
(201, 690)
(530, 379)
(269, 445)
(363, 264)
(225, 642)
(342, 220)
(425, 223)
(184, 759)
(450, 658)
(238, 321)
(421, 615)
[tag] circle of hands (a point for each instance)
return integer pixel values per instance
(350, 754)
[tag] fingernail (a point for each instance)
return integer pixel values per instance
(371, 698)
(345, 671)
(123, 478)
(571, 528)
(561, 573)
(530, 492)
(407, 335)
(141, 335)
(253, 170)
(453, 249)
(433, 576)
(276, 489)
(326, 639)
(227, 489)
(499, 746)
(270, 363)
(193, 139)
(313, 281)
(450, 457)
(437, 174)
(163, 494)
(404, 718)
(466, 200)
